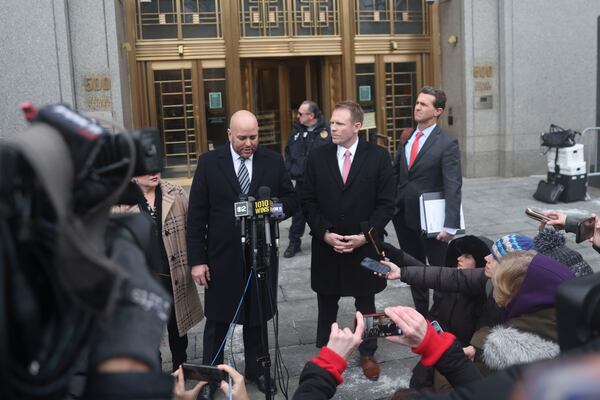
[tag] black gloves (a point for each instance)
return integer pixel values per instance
(394, 254)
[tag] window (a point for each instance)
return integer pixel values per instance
(178, 19)
(385, 17)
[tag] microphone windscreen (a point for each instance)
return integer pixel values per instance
(264, 192)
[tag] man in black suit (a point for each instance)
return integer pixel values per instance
(348, 188)
(429, 161)
(214, 240)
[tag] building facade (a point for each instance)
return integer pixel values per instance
(184, 66)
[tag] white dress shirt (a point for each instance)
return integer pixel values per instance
(236, 162)
(340, 155)
(426, 132)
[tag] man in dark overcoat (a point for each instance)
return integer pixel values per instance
(214, 238)
(348, 188)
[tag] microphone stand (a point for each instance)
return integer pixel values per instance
(260, 265)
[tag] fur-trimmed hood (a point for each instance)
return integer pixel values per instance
(506, 346)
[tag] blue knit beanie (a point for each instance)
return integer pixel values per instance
(511, 243)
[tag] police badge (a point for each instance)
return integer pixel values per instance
(324, 134)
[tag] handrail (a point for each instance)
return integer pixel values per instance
(589, 150)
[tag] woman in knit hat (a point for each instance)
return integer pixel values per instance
(466, 282)
(525, 285)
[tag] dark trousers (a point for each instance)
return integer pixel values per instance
(214, 334)
(298, 221)
(177, 344)
(426, 250)
(328, 308)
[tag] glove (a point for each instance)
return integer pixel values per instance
(394, 254)
(141, 314)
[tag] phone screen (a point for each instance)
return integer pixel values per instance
(585, 229)
(206, 373)
(379, 326)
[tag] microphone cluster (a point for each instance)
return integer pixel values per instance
(265, 207)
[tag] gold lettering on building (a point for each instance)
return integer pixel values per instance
(484, 86)
(96, 83)
(98, 102)
(482, 71)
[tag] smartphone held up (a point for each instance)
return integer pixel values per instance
(379, 325)
(206, 373)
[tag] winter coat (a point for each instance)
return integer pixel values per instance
(188, 308)
(460, 296)
(329, 204)
(528, 331)
(523, 339)
(302, 141)
(214, 235)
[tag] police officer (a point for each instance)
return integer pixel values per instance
(310, 132)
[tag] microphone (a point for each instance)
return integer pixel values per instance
(243, 209)
(263, 207)
(277, 213)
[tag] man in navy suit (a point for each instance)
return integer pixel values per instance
(214, 239)
(429, 161)
(348, 189)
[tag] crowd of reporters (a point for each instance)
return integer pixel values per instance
(494, 300)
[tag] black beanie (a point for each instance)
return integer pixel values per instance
(478, 247)
(552, 244)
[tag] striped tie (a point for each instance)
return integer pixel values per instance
(243, 176)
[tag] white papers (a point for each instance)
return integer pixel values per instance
(433, 214)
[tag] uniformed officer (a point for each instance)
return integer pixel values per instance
(310, 131)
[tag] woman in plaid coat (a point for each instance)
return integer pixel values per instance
(167, 204)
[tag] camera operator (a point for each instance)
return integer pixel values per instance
(76, 286)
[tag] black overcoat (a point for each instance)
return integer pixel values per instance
(214, 236)
(329, 204)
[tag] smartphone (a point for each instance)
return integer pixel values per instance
(379, 326)
(436, 326)
(585, 229)
(206, 373)
(537, 215)
(374, 239)
(374, 265)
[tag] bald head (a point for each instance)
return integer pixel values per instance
(243, 133)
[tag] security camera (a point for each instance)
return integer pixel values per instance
(430, 2)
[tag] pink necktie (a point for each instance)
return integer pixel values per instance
(346, 166)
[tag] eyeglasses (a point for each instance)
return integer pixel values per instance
(301, 114)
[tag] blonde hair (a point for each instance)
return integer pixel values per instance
(509, 275)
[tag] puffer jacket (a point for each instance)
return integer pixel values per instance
(301, 142)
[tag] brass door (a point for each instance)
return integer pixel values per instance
(173, 103)
(276, 88)
(402, 80)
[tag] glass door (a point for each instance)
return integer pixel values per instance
(173, 96)
(402, 81)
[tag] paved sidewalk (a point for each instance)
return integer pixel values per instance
(492, 207)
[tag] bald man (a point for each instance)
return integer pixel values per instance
(214, 238)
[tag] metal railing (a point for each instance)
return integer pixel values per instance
(590, 144)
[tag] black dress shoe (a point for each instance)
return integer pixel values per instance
(261, 383)
(291, 250)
